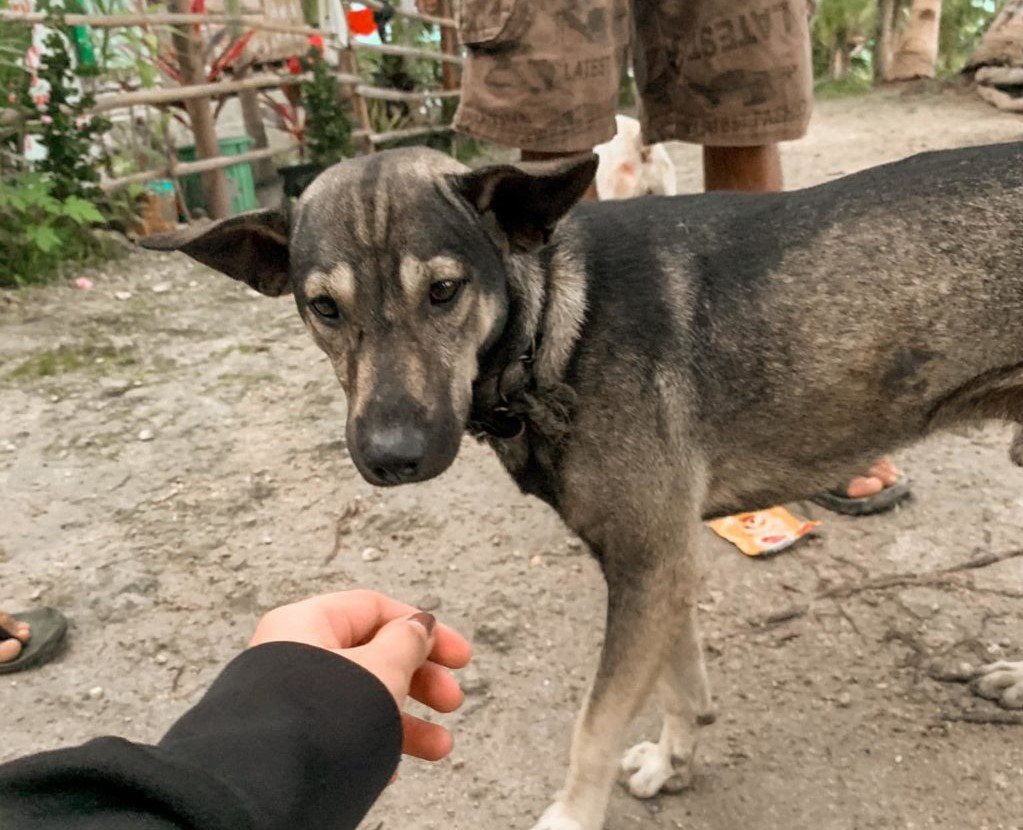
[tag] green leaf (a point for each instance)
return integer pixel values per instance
(81, 210)
(44, 237)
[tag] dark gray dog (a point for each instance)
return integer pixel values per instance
(645, 364)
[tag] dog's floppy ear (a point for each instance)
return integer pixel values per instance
(526, 200)
(251, 248)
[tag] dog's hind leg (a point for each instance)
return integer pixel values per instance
(650, 598)
(684, 694)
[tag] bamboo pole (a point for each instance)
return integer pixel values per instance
(381, 94)
(203, 129)
(183, 169)
(413, 132)
(407, 52)
(250, 20)
(172, 95)
(450, 75)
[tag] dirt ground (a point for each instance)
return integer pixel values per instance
(172, 462)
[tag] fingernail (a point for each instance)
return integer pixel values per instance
(427, 621)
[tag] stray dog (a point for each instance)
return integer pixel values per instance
(642, 365)
(629, 168)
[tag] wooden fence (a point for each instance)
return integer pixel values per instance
(197, 95)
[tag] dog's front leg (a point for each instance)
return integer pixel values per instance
(684, 695)
(650, 596)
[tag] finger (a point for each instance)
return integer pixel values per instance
(356, 616)
(422, 739)
(434, 686)
(397, 650)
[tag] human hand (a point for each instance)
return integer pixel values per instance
(406, 649)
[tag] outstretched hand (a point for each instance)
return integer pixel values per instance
(407, 650)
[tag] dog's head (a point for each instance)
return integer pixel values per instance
(398, 262)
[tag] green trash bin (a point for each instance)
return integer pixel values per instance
(239, 177)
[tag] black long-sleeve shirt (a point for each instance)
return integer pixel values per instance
(288, 736)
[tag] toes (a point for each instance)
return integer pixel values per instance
(1001, 682)
(9, 650)
(863, 487)
(885, 470)
(650, 772)
(637, 756)
(23, 631)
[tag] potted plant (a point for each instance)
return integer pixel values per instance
(316, 119)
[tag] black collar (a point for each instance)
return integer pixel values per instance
(499, 400)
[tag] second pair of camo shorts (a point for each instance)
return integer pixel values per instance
(544, 76)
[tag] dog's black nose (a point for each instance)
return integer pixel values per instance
(394, 454)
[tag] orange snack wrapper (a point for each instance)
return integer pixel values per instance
(763, 531)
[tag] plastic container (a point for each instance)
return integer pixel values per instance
(239, 177)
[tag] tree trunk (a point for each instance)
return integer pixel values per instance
(189, 53)
(885, 34)
(916, 48)
(840, 62)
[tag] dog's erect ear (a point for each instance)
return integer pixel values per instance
(526, 200)
(251, 248)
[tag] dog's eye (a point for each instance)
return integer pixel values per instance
(443, 292)
(325, 307)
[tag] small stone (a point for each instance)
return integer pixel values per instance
(536, 560)
(146, 435)
(113, 387)
(122, 295)
(267, 540)
(36, 594)
(10, 446)
(429, 603)
(844, 700)
(161, 288)
(371, 555)
(96, 692)
(161, 658)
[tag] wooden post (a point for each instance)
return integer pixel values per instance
(451, 74)
(189, 54)
(351, 67)
(263, 171)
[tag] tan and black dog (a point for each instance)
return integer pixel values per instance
(645, 364)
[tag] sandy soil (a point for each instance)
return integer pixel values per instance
(172, 462)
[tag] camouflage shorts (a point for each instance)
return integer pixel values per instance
(544, 76)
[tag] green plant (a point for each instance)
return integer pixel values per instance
(65, 129)
(328, 132)
(40, 230)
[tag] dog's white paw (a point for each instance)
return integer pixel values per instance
(1001, 682)
(650, 770)
(557, 817)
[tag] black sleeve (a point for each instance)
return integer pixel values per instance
(288, 736)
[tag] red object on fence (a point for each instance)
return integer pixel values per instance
(361, 22)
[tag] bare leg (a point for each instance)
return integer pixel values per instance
(742, 168)
(684, 695)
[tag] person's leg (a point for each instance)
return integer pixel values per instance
(755, 168)
(13, 635)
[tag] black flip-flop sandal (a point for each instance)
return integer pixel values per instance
(838, 502)
(49, 629)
